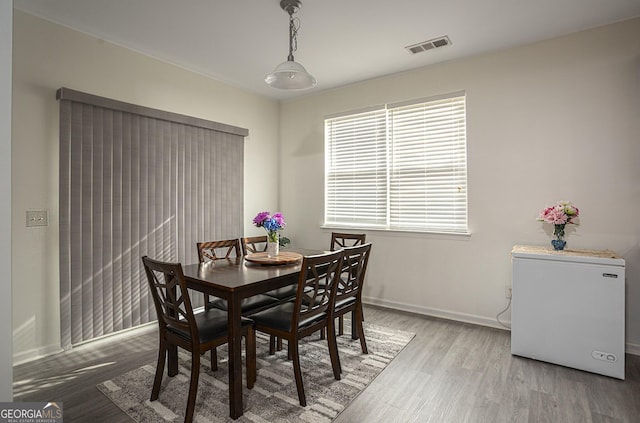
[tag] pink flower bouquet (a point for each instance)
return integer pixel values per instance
(561, 214)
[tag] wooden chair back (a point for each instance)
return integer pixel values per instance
(318, 277)
(354, 266)
(218, 250)
(171, 297)
(254, 244)
(341, 240)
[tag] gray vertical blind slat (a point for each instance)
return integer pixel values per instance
(133, 185)
(135, 199)
(111, 131)
(199, 142)
(202, 191)
(86, 221)
(207, 154)
(96, 280)
(75, 233)
(65, 230)
(221, 172)
(118, 197)
(188, 182)
(191, 179)
(179, 134)
(236, 183)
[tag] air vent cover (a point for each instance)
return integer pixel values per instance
(428, 45)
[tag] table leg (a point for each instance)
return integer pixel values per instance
(235, 357)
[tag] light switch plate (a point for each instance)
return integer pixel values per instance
(37, 218)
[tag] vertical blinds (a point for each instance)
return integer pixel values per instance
(134, 184)
(399, 167)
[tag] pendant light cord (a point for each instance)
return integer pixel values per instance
(294, 26)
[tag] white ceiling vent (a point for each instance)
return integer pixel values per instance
(428, 45)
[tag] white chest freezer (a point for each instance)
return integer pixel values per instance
(568, 308)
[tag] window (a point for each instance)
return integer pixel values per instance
(401, 166)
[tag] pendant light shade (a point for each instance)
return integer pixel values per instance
(291, 75)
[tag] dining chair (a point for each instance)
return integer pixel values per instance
(341, 240)
(196, 333)
(253, 244)
(229, 249)
(218, 250)
(309, 312)
(348, 290)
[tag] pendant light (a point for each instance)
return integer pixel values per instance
(291, 75)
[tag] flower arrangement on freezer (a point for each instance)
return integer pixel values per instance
(271, 223)
(561, 214)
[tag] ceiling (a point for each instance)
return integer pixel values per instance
(238, 42)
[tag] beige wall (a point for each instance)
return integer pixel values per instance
(557, 120)
(47, 57)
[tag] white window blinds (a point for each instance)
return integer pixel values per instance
(400, 167)
(356, 169)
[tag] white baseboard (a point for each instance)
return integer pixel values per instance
(34, 354)
(434, 312)
(27, 356)
(630, 348)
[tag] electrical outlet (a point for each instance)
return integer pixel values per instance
(507, 291)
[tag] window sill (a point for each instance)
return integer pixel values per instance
(404, 232)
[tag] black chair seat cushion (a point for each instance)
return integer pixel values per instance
(344, 303)
(279, 317)
(284, 293)
(212, 324)
(247, 305)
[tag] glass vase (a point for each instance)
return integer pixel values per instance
(273, 244)
(558, 243)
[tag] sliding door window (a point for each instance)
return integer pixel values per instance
(136, 181)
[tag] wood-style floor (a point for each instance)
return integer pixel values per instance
(450, 372)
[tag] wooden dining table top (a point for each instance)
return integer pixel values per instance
(240, 276)
(236, 274)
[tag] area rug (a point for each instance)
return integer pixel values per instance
(274, 398)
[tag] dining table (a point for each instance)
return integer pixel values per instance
(233, 280)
